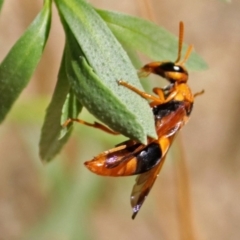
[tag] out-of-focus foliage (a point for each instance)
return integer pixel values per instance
(18, 66)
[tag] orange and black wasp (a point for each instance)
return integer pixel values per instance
(171, 107)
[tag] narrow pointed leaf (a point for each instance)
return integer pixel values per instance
(63, 106)
(109, 63)
(86, 83)
(148, 38)
(71, 108)
(78, 70)
(18, 66)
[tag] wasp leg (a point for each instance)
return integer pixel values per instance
(168, 99)
(161, 97)
(160, 93)
(140, 93)
(171, 96)
(94, 125)
(199, 93)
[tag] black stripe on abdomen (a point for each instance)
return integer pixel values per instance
(163, 110)
(148, 158)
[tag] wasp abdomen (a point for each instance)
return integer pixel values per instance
(165, 109)
(148, 158)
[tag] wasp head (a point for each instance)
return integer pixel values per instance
(172, 72)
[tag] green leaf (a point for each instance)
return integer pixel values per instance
(137, 63)
(86, 83)
(20, 63)
(109, 63)
(1, 3)
(71, 109)
(148, 38)
(79, 71)
(132, 54)
(62, 107)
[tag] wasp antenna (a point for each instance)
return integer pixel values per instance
(190, 48)
(180, 41)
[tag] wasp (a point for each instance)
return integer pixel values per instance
(171, 108)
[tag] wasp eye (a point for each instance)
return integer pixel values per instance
(172, 72)
(171, 67)
(177, 68)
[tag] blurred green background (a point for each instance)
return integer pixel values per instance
(64, 201)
